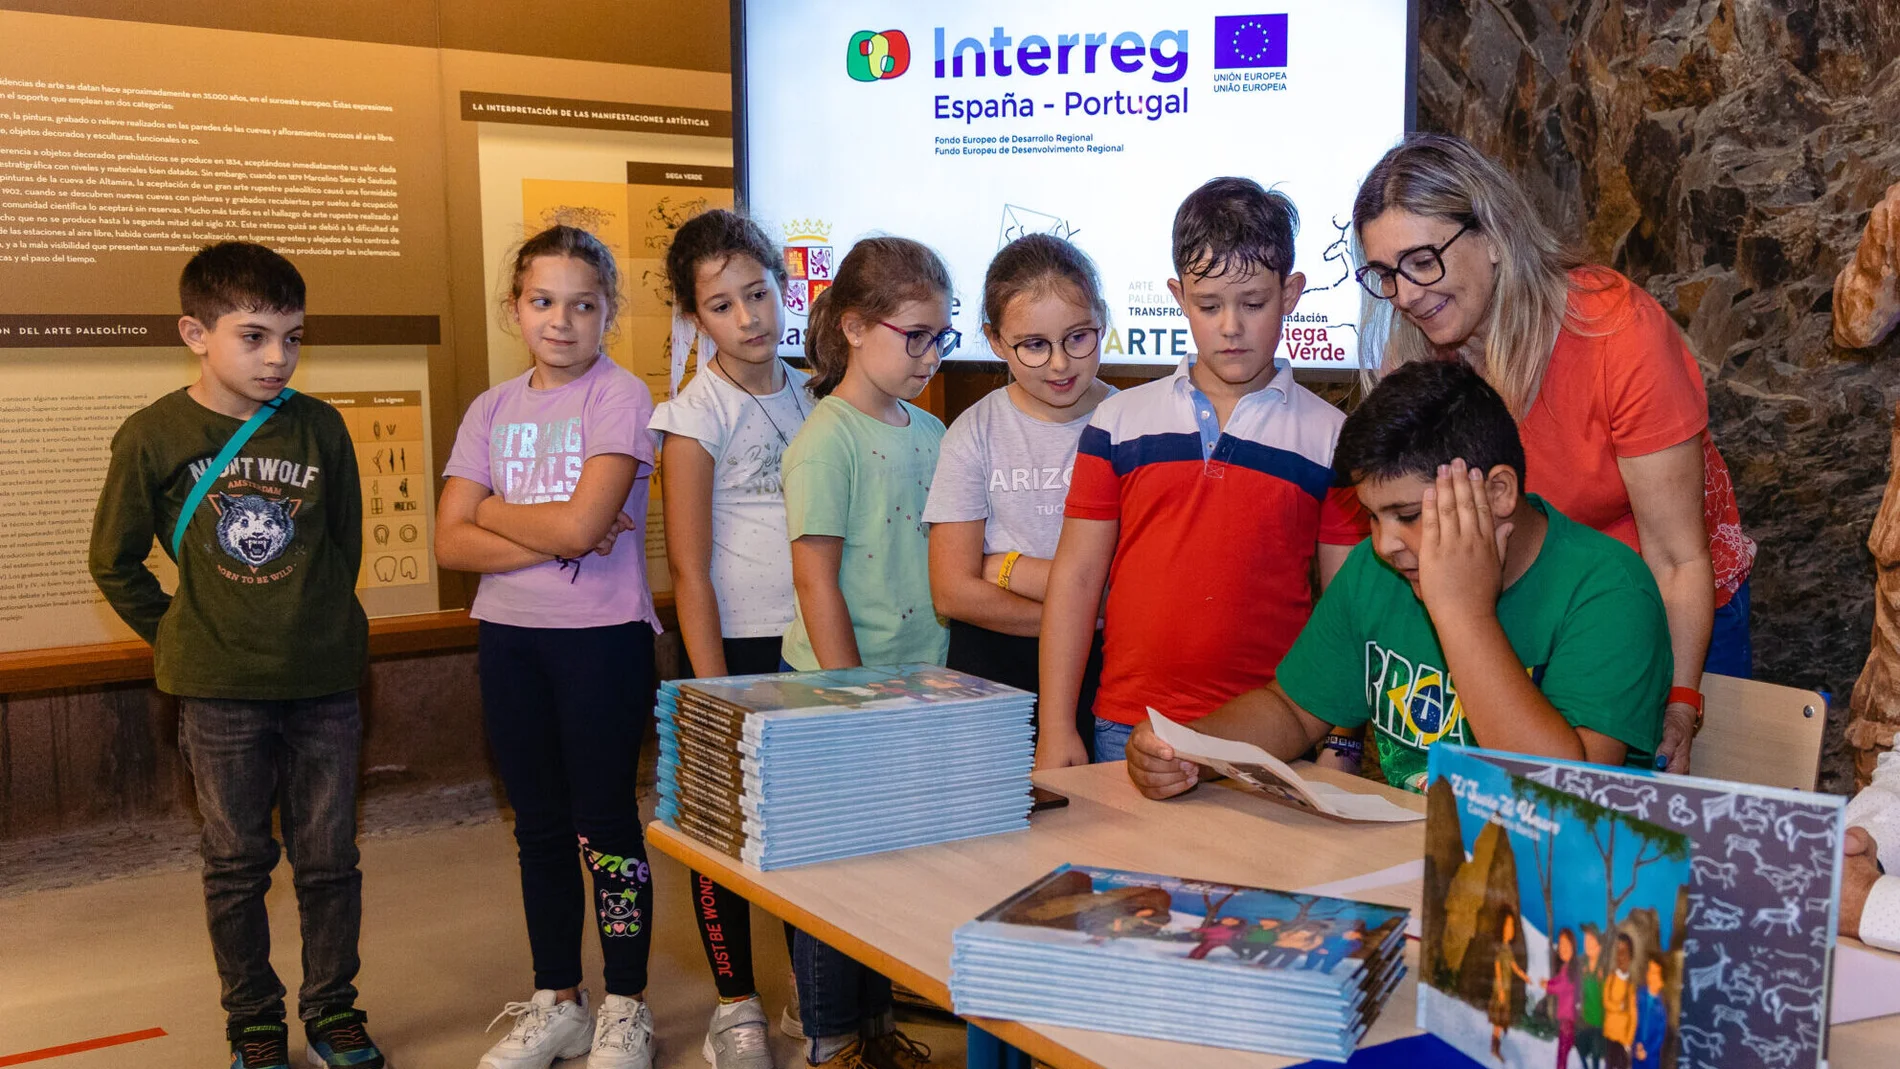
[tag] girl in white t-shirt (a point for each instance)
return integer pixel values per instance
(995, 509)
(722, 440)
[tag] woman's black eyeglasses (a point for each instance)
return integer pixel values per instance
(1079, 344)
(919, 342)
(1421, 265)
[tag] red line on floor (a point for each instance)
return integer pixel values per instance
(79, 1047)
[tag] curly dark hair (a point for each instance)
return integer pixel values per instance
(716, 235)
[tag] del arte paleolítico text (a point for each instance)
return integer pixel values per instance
(1164, 56)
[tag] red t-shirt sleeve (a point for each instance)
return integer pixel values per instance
(1095, 492)
(1342, 520)
(1652, 390)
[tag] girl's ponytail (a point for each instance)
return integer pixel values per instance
(879, 276)
(826, 350)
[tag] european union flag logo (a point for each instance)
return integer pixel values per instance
(1246, 41)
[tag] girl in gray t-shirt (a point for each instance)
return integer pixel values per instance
(995, 508)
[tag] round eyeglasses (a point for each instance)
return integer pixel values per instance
(1421, 265)
(918, 343)
(1078, 344)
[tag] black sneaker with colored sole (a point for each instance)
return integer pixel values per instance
(339, 1040)
(259, 1044)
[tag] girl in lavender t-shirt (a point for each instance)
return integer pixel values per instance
(550, 469)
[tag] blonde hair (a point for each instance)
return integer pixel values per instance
(1445, 177)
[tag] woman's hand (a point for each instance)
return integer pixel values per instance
(1678, 736)
(1859, 873)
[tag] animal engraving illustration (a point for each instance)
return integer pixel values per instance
(1626, 798)
(1710, 871)
(1785, 916)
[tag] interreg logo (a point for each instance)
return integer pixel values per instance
(876, 57)
(1164, 55)
(1244, 42)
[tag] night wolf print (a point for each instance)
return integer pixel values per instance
(253, 528)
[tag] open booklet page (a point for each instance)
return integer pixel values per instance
(1259, 770)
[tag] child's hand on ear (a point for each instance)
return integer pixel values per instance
(1461, 548)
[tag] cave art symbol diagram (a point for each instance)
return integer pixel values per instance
(1021, 222)
(1339, 253)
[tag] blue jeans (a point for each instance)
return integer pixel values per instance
(301, 756)
(1111, 740)
(984, 1051)
(1731, 648)
(837, 996)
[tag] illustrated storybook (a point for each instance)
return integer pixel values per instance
(1200, 962)
(791, 768)
(1663, 922)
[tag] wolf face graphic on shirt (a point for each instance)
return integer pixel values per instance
(253, 528)
(257, 516)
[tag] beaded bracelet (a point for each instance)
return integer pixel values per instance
(1350, 747)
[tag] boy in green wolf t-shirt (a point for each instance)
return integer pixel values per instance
(264, 642)
(1475, 614)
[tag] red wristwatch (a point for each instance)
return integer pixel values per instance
(1688, 696)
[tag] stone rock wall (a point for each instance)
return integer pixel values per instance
(1727, 155)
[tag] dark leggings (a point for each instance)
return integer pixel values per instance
(725, 919)
(566, 710)
(1014, 660)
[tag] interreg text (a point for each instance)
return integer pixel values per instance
(1163, 56)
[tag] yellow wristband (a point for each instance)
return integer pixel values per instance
(1009, 565)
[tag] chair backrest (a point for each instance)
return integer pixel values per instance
(1759, 733)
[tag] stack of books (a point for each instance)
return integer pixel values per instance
(1168, 958)
(796, 767)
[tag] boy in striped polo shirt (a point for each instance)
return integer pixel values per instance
(1200, 501)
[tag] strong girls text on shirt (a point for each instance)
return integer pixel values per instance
(537, 462)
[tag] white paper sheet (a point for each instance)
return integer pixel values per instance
(1246, 763)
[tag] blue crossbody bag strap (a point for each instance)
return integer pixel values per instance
(222, 461)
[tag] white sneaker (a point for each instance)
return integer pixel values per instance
(545, 1030)
(623, 1037)
(735, 1038)
(789, 1022)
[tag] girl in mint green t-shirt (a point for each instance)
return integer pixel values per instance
(858, 474)
(856, 479)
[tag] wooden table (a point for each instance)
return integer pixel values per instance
(896, 911)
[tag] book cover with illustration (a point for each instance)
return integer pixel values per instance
(1188, 960)
(1762, 913)
(1118, 913)
(1554, 926)
(871, 686)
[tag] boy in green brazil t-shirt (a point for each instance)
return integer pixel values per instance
(1476, 614)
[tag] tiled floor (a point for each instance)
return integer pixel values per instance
(443, 947)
